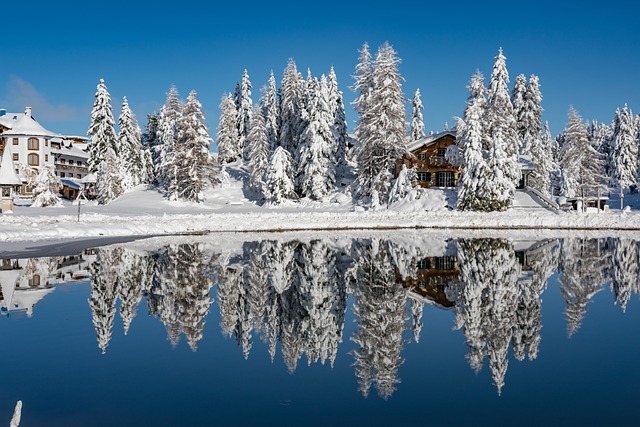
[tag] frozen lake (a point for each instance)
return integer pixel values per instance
(323, 329)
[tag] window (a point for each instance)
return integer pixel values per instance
(15, 141)
(424, 176)
(70, 162)
(33, 159)
(441, 152)
(35, 281)
(422, 156)
(46, 157)
(445, 263)
(62, 174)
(424, 264)
(46, 142)
(445, 179)
(16, 157)
(33, 144)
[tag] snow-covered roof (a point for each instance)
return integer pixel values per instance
(8, 175)
(71, 183)
(27, 125)
(429, 139)
(72, 151)
(89, 179)
(8, 119)
(526, 164)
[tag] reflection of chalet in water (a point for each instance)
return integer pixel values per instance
(22, 287)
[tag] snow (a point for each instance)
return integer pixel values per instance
(8, 174)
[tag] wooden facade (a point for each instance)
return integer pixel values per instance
(428, 157)
(433, 276)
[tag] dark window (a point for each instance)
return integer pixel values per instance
(424, 264)
(15, 141)
(15, 157)
(424, 176)
(422, 156)
(445, 263)
(441, 152)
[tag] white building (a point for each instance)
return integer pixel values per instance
(33, 147)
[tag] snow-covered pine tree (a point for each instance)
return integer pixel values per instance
(417, 122)
(603, 142)
(109, 179)
(278, 183)
(316, 166)
(258, 149)
(271, 113)
(291, 105)
(363, 85)
(339, 127)
(150, 141)
(518, 95)
(192, 167)
(168, 128)
(381, 130)
(403, 184)
(129, 140)
(625, 149)
(542, 156)
(46, 189)
(500, 138)
(229, 148)
(101, 131)
(532, 118)
(582, 166)
(244, 106)
(473, 183)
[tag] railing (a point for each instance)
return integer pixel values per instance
(543, 199)
(438, 161)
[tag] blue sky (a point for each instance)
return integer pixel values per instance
(585, 53)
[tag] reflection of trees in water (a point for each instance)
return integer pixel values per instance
(289, 291)
(585, 266)
(294, 293)
(177, 280)
(380, 302)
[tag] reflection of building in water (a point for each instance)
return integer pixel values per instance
(434, 275)
(24, 283)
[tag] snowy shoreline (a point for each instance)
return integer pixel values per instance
(33, 228)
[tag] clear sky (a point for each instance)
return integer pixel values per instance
(587, 54)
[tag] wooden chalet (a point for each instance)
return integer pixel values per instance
(428, 157)
(433, 276)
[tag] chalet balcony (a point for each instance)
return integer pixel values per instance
(438, 161)
(71, 168)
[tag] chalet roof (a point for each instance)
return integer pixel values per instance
(27, 125)
(430, 139)
(71, 184)
(72, 151)
(8, 174)
(526, 164)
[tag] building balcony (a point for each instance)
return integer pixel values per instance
(438, 161)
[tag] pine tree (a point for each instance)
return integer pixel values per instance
(271, 113)
(542, 156)
(403, 184)
(258, 149)
(532, 118)
(229, 148)
(244, 106)
(417, 123)
(130, 142)
(150, 142)
(473, 183)
(339, 127)
(381, 130)
(191, 154)
(501, 139)
(101, 131)
(168, 128)
(518, 95)
(291, 105)
(46, 189)
(278, 183)
(581, 164)
(109, 179)
(316, 166)
(625, 149)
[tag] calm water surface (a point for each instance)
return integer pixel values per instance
(411, 330)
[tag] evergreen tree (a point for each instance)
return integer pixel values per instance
(271, 113)
(339, 127)
(130, 142)
(417, 123)
(473, 183)
(46, 189)
(291, 105)
(501, 138)
(191, 154)
(625, 149)
(381, 130)
(581, 164)
(150, 142)
(316, 166)
(229, 148)
(278, 183)
(518, 95)
(258, 149)
(101, 131)
(168, 129)
(532, 118)
(109, 179)
(542, 156)
(244, 106)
